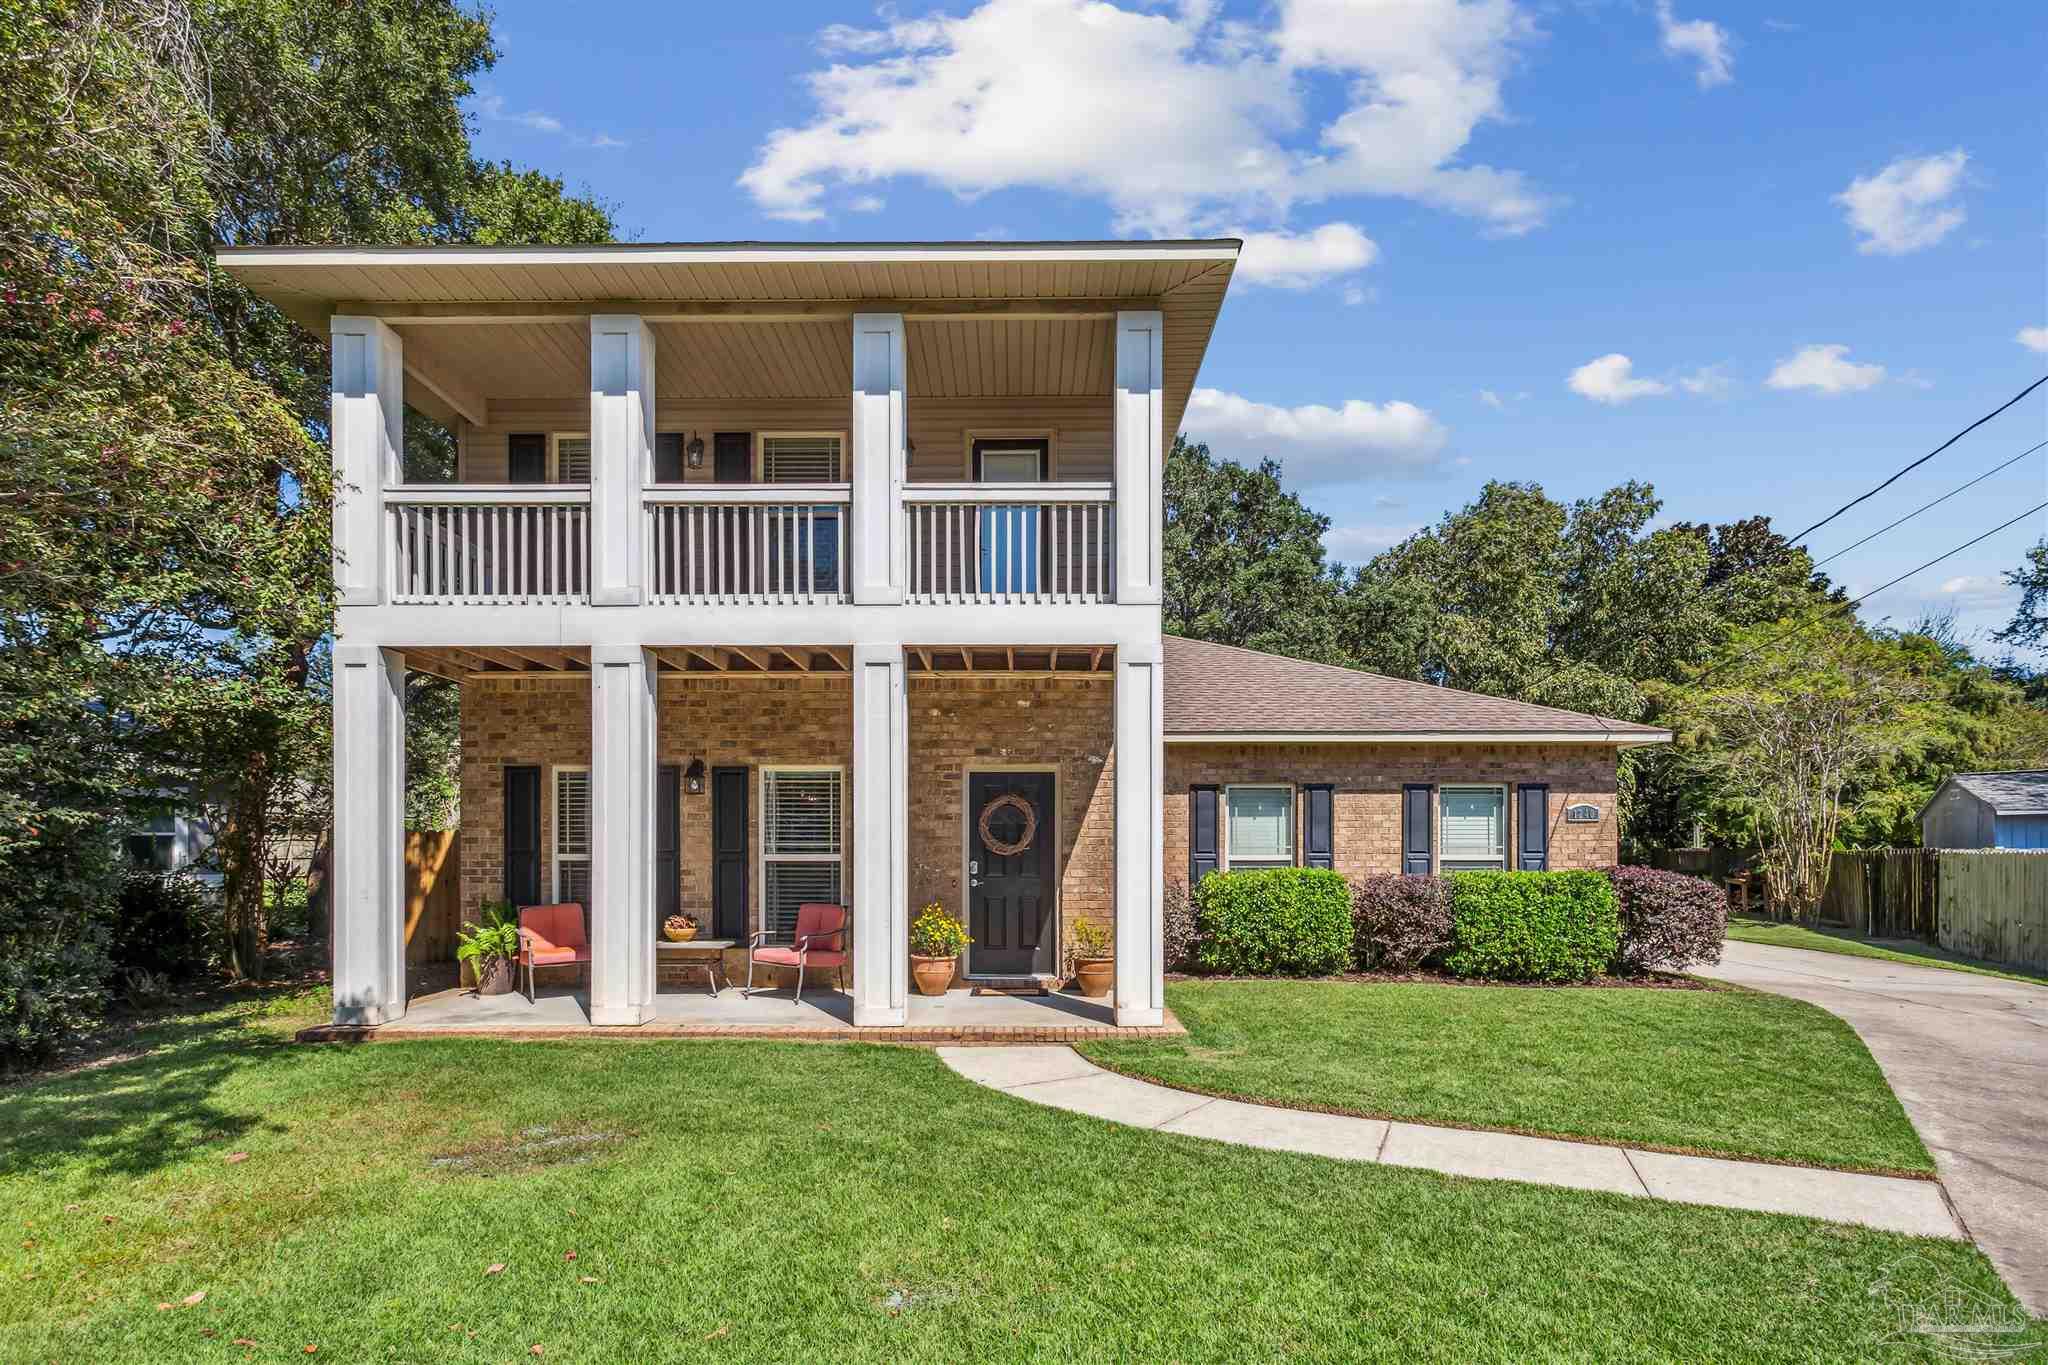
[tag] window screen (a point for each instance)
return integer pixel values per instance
(1475, 828)
(572, 835)
(1261, 825)
(801, 856)
(800, 459)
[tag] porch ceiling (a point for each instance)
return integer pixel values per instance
(471, 663)
(986, 319)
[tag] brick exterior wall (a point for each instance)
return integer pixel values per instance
(1366, 804)
(955, 725)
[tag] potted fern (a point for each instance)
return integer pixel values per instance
(1094, 958)
(489, 949)
(936, 942)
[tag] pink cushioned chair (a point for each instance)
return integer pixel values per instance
(820, 941)
(551, 936)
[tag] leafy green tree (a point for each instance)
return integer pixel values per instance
(1244, 558)
(2028, 628)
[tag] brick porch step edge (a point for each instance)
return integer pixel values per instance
(962, 1036)
(1061, 1078)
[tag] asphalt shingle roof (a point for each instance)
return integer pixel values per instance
(2014, 793)
(1221, 689)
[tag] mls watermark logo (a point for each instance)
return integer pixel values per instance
(1930, 1310)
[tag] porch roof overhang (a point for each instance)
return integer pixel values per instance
(1061, 294)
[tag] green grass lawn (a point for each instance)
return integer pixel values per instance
(755, 1200)
(1745, 930)
(1730, 1072)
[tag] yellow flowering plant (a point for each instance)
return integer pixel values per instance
(934, 933)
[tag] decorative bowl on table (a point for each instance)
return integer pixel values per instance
(679, 928)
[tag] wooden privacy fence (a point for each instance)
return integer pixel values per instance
(433, 894)
(1885, 892)
(1994, 905)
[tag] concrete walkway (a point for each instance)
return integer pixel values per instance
(1063, 1079)
(1968, 1057)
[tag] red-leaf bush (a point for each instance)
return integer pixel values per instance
(1399, 923)
(1178, 927)
(1668, 920)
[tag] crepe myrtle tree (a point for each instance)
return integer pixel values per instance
(1781, 727)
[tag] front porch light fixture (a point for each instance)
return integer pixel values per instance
(694, 453)
(693, 777)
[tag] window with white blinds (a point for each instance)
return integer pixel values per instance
(572, 836)
(1261, 826)
(800, 459)
(801, 854)
(572, 459)
(1474, 824)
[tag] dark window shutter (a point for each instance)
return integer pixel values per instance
(526, 457)
(1417, 837)
(1203, 848)
(1317, 849)
(668, 457)
(522, 835)
(668, 828)
(1532, 816)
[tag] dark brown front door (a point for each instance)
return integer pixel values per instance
(1010, 888)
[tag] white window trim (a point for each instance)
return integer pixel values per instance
(1049, 435)
(556, 858)
(1507, 832)
(761, 855)
(555, 439)
(761, 439)
(1293, 858)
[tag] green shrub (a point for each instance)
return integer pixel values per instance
(1281, 921)
(1532, 926)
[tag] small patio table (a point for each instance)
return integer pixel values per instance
(707, 953)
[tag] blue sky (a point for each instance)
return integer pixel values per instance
(1817, 233)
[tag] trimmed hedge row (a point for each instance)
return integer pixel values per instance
(1510, 926)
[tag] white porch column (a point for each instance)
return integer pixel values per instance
(367, 423)
(880, 457)
(622, 773)
(881, 846)
(621, 452)
(1140, 850)
(367, 862)
(1140, 456)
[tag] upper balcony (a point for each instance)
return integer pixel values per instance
(760, 427)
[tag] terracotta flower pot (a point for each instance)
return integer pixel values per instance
(496, 979)
(932, 974)
(1094, 976)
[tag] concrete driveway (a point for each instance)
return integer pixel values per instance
(1968, 1057)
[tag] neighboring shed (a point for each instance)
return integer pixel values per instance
(1988, 810)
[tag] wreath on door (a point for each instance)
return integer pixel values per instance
(1000, 847)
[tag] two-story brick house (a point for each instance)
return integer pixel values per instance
(768, 568)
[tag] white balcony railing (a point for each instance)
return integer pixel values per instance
(486, 544)
(1011, 544)
(747, 545)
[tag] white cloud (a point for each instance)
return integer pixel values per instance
(1177, 119)
(606, 140)
(1491, 399)
(1824, 369)
(1356, 295)
(493, 108)
(1708, 381)
(1382, 500)
(1315, 443)
(867, 203)
(1977, 592)
(1356, 544)
(1297, 260)
(2033, 338)
(1906, 206)
(1609, 380)
(1703, 41)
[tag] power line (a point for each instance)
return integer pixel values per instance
(1922, 460)
(1840, 607)
(1936, 503)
